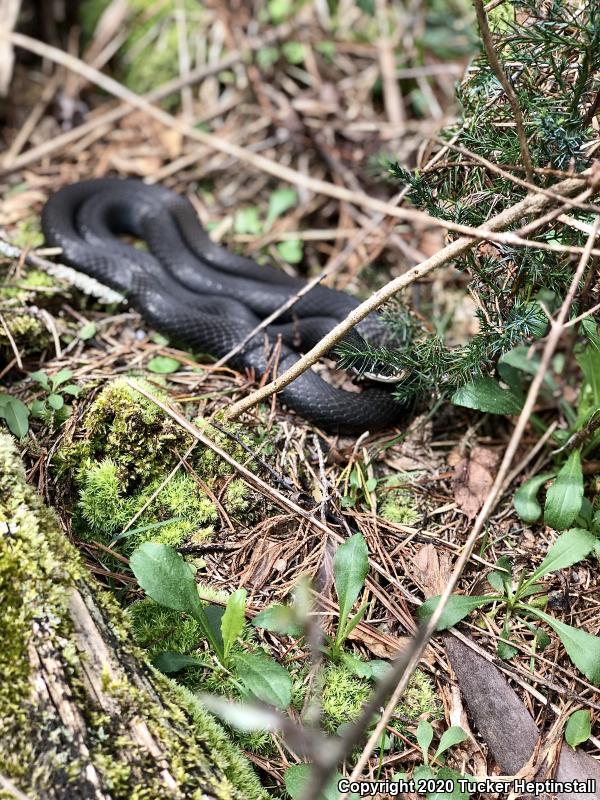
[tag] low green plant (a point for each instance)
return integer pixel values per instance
(433, 778)
(166, 578)
(578, 728)
(53, 408)
(15, 414)
(524, 598)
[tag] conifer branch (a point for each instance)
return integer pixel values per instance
(532, 204)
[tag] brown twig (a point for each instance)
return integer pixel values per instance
(495, 64)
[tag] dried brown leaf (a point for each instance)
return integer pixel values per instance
(473, 479)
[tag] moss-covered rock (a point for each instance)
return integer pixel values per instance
(124, 461)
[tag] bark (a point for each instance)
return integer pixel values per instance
(82, 715)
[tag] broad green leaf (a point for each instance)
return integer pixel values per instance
(71, 388)
(563, 498)
(457, 608)
(569, 548)
(484, 394)
(233, 619)
(62, 376)
(56, 401)
(374, 670)
(451, 737)
(350, 567)
(525, 499)
(16, 414)
(247, 220)
(163, 365)
(371, 484)
(582, 647)
(40, 377)
(291, 251)
(296, 782)
(165, 577)
(279, 619)
(37, 408)
(265, 679)
(279, 202)
(424, 738)
(168, 661)
(88, 331)
(579, 728)
(505, 650)
(501, 578)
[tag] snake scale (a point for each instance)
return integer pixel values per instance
(207, 297)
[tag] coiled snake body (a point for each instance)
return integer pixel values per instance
(205, 296)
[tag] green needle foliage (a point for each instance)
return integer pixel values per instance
(551, 55)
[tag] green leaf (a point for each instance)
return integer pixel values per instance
(353, 621)
(569, 548)
(265, 679)
(350, 567)
(165, 577)
(501, 578)
(291, 251)
(579, 728)
(525, 499)
(374, 670)
(16, 414)
(279, 619)
(582, 647)
(563, 498)
(55, 401)
(232, 621)
(279, 202)
(168, 661)
(37, 409)
(62, 376)
(451, 737)
(424, 738)
(71, 389)
(293, 52)
(506, 651)
(247, 220)
(163, 365)
(246, 717)
(484, 394)
(40, 377)
(371, 484)
(457, 608)
(88, 331)
(296, 780)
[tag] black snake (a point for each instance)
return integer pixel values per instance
(199, 293)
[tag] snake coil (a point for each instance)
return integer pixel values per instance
(202, 295)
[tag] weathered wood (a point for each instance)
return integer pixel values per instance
(82, 715)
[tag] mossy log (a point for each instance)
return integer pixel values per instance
(82, 715)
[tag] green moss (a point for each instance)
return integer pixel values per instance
(38, 570)
(27, 331)
(157, 629)
(397, 505)
(28, 234)
(36, 566)
(420, 699)
(120, 462)
(343, 696)
(149, 55)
